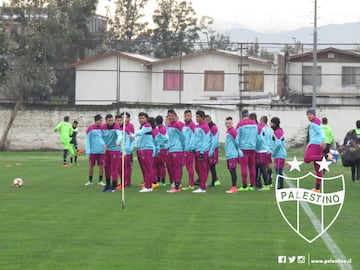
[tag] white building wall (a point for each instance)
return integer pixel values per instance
(97, 82)
(331, 79)
(194, 69)
(95, 87)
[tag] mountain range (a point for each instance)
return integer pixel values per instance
(328, 35)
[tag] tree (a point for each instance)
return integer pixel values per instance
(4, 66)
(264, 54)
(127, 24)
(176, 28)
(38, 40)
(254, 48)
(214, 40)
(127, 30)
(293, 49)
(29, 70)
(70, 19)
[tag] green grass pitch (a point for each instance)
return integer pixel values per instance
(55, 222)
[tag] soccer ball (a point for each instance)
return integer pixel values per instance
(18, 182)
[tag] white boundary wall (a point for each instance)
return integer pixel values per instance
(33, 128)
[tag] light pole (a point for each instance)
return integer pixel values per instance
(314, 73)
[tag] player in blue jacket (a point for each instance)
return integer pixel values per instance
(246, 138)
(112, 137)
(214, 150)
(316, 145)
(263, 148)
(145, 151)
(176, 150)
(163, 141)
(128, 145)
(201, 147)
(188, 131)
(232, 153)
(94, 149)
(278, 150)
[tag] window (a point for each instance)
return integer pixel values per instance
(350, 76)
(214, 80)
(173, 79)
(307, 75)
(254, 80)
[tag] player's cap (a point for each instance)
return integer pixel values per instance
(97, 117)
(245, 113)
(275, 121)
(311, 110)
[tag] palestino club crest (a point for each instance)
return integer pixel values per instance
(307, 212)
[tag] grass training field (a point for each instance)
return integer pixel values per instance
(55, 222)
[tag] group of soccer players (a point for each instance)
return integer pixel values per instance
(165, 146)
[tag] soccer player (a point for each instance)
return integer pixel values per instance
(130, 127)
(246, 139)
(268, 143)
(154, 133)
(128, 149)
(145, 151)
(316, 145)
(263, 148)
(73, 142)
(65, 129)
(94, 149)
(214, 150)
(279, 150)
(232, 153)
(163, 141)
(201, 148)
(188, 131)
(176, 150)
(112, 137)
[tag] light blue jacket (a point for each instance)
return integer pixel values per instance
(316, 132)
(264, 142)
(176, 137)
(214, 139)
(163, 138)
(145, 138)
(246, 134)
(111, 137)
(94, 143)
(202, 138)
(231, 147)
(129, 142)
(188, 131)
(279, 145)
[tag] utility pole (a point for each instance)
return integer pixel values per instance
(241, 74)
(314, 71)
(181, 74)
(118, 89)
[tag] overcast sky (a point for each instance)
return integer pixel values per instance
(270, 16)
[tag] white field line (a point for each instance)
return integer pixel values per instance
(329, 242)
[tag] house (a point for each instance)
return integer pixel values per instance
(211, 75)
(338, 75)
(201, 77)
(113, 77)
